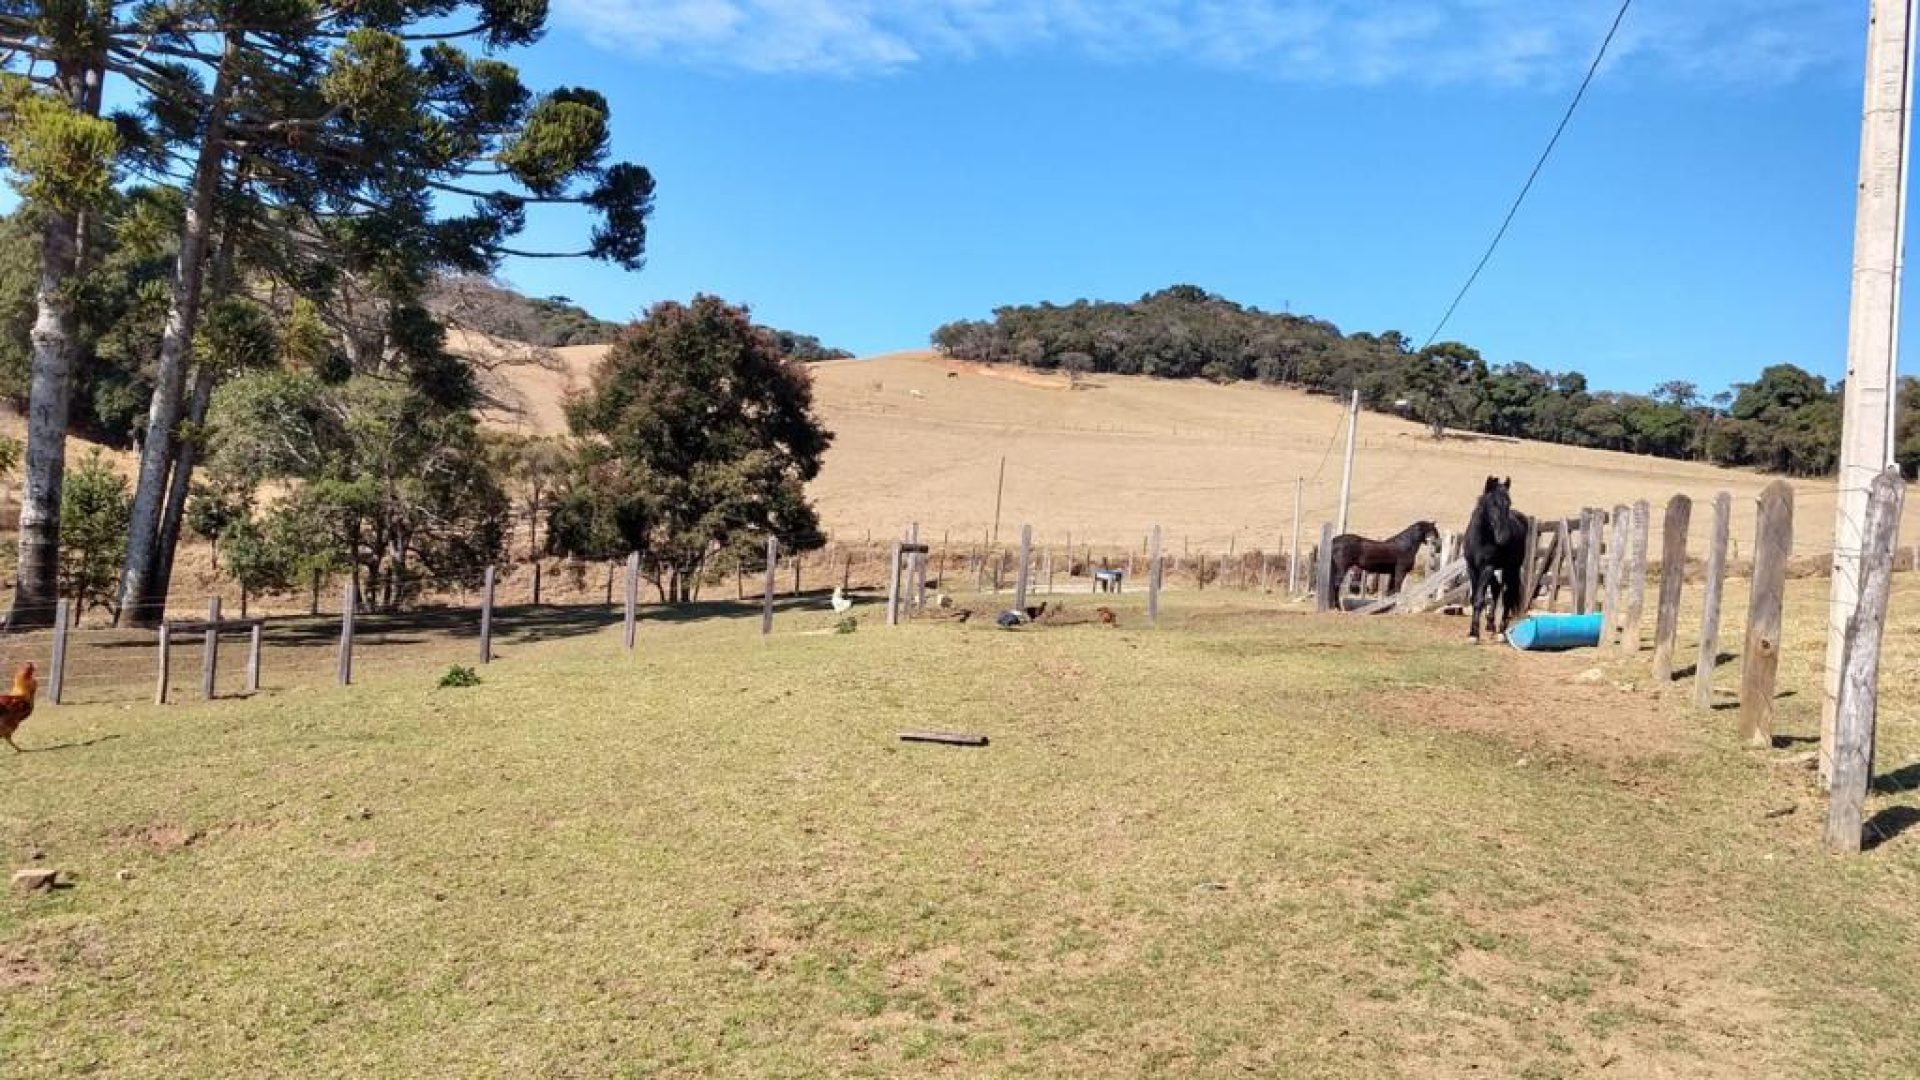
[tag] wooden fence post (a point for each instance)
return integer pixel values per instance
(1760, 659)
(1530, 570)
(893, 585)
(486, 617)
(1562, 560)
(1636, 580)
(1026, 562)
(57, 667)
(1854, 718)
(1325, 590)
(980, 568)
(1591, 569)
(1673, 576)
(343, 670)
(1613, 619)
(165, 663)
(210, 651)
(630, 626)
(536, 583)
(1710, 608)
(909, 596)
(766, 594)
(1046, 560)
(1153, 577)
(799, 560)
(254, 636)
(314, 610)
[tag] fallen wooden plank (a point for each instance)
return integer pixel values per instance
(946, 738)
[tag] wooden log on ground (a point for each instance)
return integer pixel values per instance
(944, 738)
(1854, 717)
(1760, 659)
(1715, 585)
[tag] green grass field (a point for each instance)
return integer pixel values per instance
(1250, 843)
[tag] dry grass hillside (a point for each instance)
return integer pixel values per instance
(920, 438)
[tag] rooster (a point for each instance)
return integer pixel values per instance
(17, 706)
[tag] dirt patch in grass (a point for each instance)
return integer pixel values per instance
(1560, 706)
(18, 971)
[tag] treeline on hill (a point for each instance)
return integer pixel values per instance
(232, 264)
(1786, 420)
(476, 302)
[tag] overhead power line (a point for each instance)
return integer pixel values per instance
(1573, 105)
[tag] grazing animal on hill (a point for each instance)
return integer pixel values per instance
(17, 706)
(1393, 557)
(1496, 544)
(1033, 613)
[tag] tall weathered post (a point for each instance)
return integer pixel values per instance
(1714, 586)
(1860, 676)
(1673, 574)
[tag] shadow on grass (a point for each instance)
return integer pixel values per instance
(1725, 706)
(1693, 669)
(70, 745)
(1905, 778)
(1884, 826)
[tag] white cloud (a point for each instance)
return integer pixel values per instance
(1514, 42)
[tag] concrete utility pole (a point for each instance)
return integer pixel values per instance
(1346, 473)
(1873, 334)
(1293, 558)
(999, 489)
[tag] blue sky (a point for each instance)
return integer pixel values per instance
(865, 170)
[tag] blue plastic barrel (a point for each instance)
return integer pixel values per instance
(1547, 633)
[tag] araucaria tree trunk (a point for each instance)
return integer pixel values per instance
(54, 329)
(55, 338)
(179, 486)
(143, 593)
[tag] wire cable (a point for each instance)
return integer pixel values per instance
(1514, 210)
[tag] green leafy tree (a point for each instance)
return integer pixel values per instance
(369, 149)
(697, 431)
(94, 503)
(380, 480)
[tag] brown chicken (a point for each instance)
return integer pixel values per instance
(17, 706)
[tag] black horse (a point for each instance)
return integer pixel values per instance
(1392, 557)
(1496, 545)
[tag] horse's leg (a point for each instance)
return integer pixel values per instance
(1474, 575)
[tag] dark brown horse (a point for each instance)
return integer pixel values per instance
(1392, 557)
